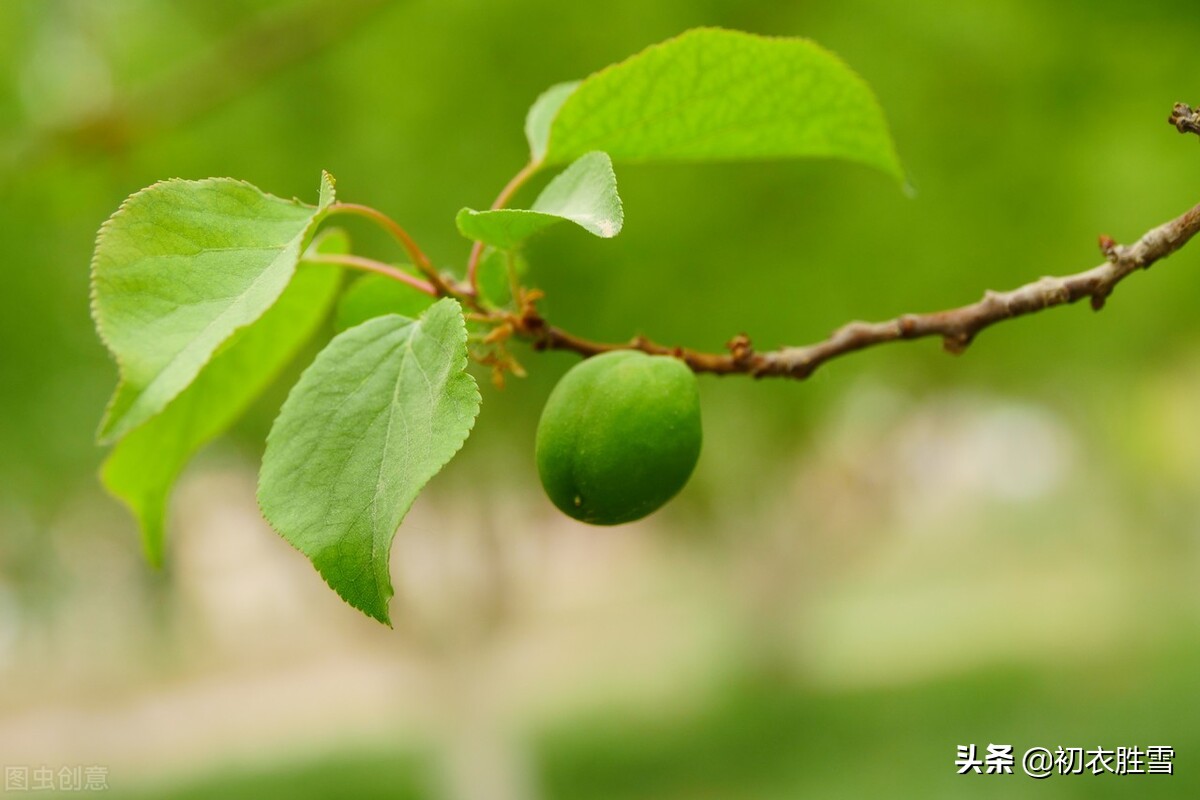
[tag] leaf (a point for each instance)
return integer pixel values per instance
(712, 94)
(541, 114)
(177, 270)
(143, 466)
(375, 295)
(382, 409)
(495, 285)
(328, 194)
(584, 193)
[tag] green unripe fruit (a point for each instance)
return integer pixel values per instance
(619, 436)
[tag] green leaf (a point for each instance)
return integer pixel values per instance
(375, 295)
(495, 284)
(584, 193)
(177, 270)
(712, 94)
(142, 467)
(328, 194)
(382, 409)
(541, 115)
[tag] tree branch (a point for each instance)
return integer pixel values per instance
(957, 327)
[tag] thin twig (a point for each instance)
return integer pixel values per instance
(421, 261)
(378, 267)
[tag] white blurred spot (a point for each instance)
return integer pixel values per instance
(984, 448)
(10, 623)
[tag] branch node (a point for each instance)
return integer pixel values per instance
(996, 299)
(1185, 119)
(1109, 248)
(957, 343)
(740, 349)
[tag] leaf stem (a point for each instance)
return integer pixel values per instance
(514, 283)
(420, 260)
(378, 267)
(510, 188)
(516, 182)
(388, 224)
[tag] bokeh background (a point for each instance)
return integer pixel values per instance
(907, 553)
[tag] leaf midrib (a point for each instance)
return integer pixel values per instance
(238, 303)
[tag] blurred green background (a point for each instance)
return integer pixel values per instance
(907, 553)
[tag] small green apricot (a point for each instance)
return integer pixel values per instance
(619, 436)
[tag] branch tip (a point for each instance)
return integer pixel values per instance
(1185, 119)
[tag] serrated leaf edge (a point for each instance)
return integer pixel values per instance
(93, 300)
(388, 591)
(894, 168)
(153, 527)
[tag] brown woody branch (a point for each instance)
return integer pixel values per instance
(957, 327)
(1185, 119)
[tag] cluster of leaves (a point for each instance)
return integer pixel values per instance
(204, 290)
